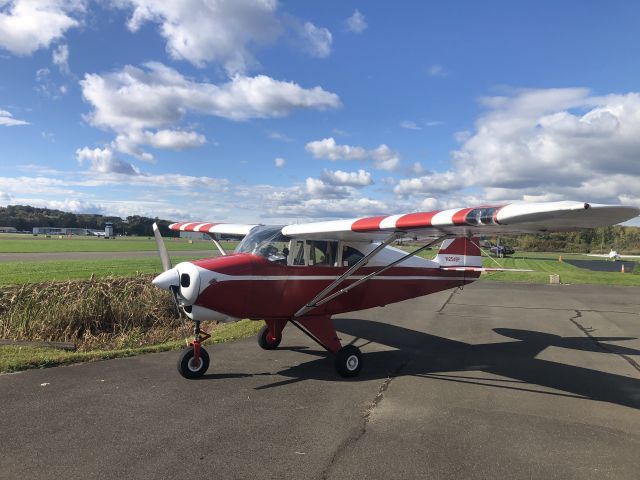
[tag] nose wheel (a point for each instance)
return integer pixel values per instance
(194, 360)
(191, 367)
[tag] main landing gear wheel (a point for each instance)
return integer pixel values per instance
(348, 361)
(265, 341)
(189, 367)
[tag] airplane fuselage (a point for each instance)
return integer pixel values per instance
(250, 286)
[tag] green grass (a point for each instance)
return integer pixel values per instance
(14, 357)
(41, 244)
(545, 264)
(41, 271)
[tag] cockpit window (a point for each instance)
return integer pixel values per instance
(266, 241)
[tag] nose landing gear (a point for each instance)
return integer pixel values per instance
(194, 360)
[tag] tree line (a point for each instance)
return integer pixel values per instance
(602, 239)
(25, 218)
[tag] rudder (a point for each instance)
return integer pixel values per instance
(459, 252)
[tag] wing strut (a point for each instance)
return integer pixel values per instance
(323, 298)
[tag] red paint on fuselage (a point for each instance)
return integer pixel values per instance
(271, 290)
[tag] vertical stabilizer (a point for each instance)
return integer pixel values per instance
(459, 252)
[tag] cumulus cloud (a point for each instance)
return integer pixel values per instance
(7, 120)
(431, 184)
(328, 148)
(279, 162)
(134, 101)
(356, 22)
(383, 157)
(361, 178)
(205, 31)
(159, 96)
(225, 32)
(102, 160)
(28, 25)
(546, 144)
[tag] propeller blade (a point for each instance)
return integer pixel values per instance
(174, 291)
(162, 250)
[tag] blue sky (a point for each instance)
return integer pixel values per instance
(290, 111)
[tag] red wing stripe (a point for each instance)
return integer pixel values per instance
(206, 227)
(460, 216)
(416, 220)
(367, 224)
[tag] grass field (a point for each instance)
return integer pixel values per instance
(31, 244)
(17, 357)
(28, 272)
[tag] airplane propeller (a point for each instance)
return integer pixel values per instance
(169, 277)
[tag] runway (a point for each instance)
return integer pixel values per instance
(51, 256)
(494, 381)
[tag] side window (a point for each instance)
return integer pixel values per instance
(322, 253)
(298, 253)
(350, 256)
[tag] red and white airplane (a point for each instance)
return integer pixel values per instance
(303, 274)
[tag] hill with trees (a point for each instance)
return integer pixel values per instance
(24, 218)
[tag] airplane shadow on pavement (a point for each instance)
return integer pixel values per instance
(424, 355)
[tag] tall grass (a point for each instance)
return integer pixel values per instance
(94, 313)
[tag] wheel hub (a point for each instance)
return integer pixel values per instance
(352, 362)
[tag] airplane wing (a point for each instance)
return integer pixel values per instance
(215, 230)
(514, 218)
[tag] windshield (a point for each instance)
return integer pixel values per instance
(266, 241)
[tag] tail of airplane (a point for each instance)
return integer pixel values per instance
(459, 252)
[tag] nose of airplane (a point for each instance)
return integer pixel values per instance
(167, 279)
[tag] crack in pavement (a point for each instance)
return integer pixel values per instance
(602, 346)
(455, 290)
(366, 418)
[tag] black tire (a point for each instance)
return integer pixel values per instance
(186, 367)
(348, 361)
(264, 342)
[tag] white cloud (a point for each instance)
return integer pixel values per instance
(160, 96)
(205, 31)
(7, 120)
(316, 41)
(134, 101)
(356, 22)
(417, 168)
(383, 157)
(28, 25)
(431, 184)
(328, 148)
(437, 71)
(224, 31)
(410, 125)
(103, 161)
(279, 162)
(60, 57)
(546, 144)
(361, 178)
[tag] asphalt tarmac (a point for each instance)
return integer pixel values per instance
(603, 265)
(495, 381)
